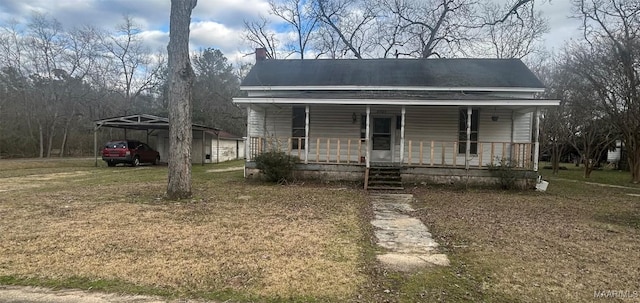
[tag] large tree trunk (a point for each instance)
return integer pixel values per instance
(180, 81)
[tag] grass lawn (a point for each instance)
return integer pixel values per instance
(76, 226)
(604, 175)
(110, 229)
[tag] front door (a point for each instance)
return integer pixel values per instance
(381, 139)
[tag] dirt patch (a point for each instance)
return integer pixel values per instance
(34, 181)
(17, 294)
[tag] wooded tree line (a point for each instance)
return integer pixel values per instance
(55, 81)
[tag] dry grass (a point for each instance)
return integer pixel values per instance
(560, 246)
(254, 241)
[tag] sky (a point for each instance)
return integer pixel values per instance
(216, 23)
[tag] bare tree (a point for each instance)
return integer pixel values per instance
(181, 77)
(258, 33)
(610, 63)
(554, 132)
(516, 36)
(299, 16)
(586, 124)
(131, 63)
(385, 28)
(46, 47)
(351, 21)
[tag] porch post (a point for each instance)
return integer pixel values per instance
(95, 144)
(404, 111)
(467, 154)
(536, 138)
(306, 134)
(368, 137)
(247, 142)
(512, 139)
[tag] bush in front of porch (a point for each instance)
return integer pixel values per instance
(276, 166)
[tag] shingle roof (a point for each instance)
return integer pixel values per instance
(505, 73)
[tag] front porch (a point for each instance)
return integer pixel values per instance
(344, 142)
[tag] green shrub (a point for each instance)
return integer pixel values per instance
(504, 170)
(276, 166)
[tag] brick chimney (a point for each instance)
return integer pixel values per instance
(261, 54)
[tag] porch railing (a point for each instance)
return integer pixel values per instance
(321, 150)
(439, 153)
(416, 152)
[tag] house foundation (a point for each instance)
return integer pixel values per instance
(523, 179)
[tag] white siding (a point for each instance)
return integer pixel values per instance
(255, 124)
(522, 124)
(498, 132)
(229, 150)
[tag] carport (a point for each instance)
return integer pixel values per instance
(148, 123)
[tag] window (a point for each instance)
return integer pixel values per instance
(298, 127)
(462, 131)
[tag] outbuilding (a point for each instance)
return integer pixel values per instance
(210, 144)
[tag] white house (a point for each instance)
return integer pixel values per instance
(438, 120)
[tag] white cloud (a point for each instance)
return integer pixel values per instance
(156, 40)
(216, 35)
(232, 13)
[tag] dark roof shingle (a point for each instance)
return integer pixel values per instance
(506, 73)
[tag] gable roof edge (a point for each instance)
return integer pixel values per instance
(393, 88)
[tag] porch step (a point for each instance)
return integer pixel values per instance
(384, 178)
(384, 188)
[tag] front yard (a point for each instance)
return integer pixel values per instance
(108, 229)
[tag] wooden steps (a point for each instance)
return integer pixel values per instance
(383, 178)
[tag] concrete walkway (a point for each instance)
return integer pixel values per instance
(221, 170)
(409, 243)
